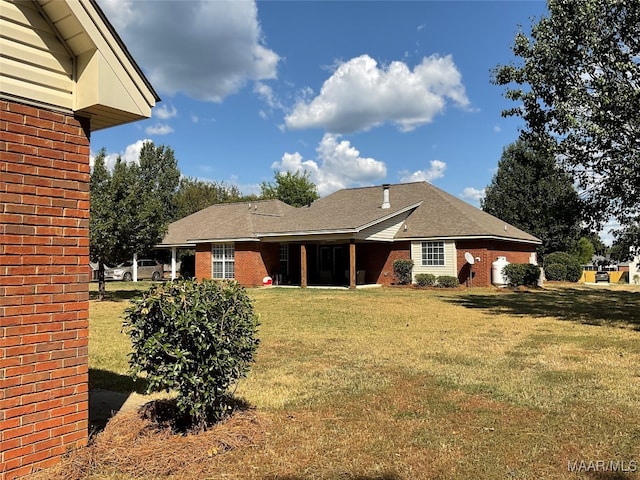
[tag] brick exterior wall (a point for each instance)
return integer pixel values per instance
(44, 286)
(253, 261)
(377, 260)
(203, 261)
(488, 251)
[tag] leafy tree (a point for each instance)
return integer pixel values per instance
(583, 251)
(294, 189)
(102, 219)
(624, 245)
(160, 176)
(130, 207)
(578, 84)
(194, 195)
(531, 192)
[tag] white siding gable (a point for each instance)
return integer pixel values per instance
(384, 231)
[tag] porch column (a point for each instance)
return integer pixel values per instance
(173, 263)
(135, 267)
(352, 265)
(303, 265)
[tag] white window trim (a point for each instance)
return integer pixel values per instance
(226, 259)
(423, 261)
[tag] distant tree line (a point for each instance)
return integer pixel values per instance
(133, 204)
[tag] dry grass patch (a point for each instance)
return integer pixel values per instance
(394, 384)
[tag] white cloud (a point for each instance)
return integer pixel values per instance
(339, 165)
(435, 171)
(207, 50)
(164, 112)
(361, 95)
(131, 154)
(497, 128)
(159, 129)
(265, 92)
(473, 195)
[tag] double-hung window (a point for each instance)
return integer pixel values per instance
(433, 254)
(223, 260)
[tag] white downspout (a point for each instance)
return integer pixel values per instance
(173, 263)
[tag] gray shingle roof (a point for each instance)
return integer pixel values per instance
(226, 221)
(434, 213)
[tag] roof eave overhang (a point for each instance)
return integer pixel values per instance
(196, 241)
(175, 245)
(471, 237)
(308, 233)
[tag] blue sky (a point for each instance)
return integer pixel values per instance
(357, 93)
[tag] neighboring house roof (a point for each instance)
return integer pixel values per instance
(66, 55)
(425, 211)
(226, 221)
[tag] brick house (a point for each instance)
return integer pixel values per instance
(64, 73)
(350, 237)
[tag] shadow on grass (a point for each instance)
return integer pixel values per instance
(118, 295)
(592, 307)
(108, 392)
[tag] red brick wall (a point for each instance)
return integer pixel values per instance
(203, 261)
(488, 251)
(377, 260)
(253, 261)
(44, 293)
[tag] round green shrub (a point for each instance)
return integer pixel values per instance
(425, 279)
(195, 338)
(521, 274)
(447, 281)
(573, 267)
(402, 270)
(556, 272)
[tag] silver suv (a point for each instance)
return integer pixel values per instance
(147, 270)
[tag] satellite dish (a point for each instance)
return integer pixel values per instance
(469, 258)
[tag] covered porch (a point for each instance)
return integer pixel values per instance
(333, 263)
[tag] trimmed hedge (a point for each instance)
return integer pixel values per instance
(447, 281)
(425, 279)
(521, 274)
(556, 272)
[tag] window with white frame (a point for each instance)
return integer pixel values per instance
(223, 260)
(433, 254)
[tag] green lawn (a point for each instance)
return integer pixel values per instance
(400, 383)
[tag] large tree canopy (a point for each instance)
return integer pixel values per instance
(578, 83)
(531, 192)
(294, 189)
(194, 195)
